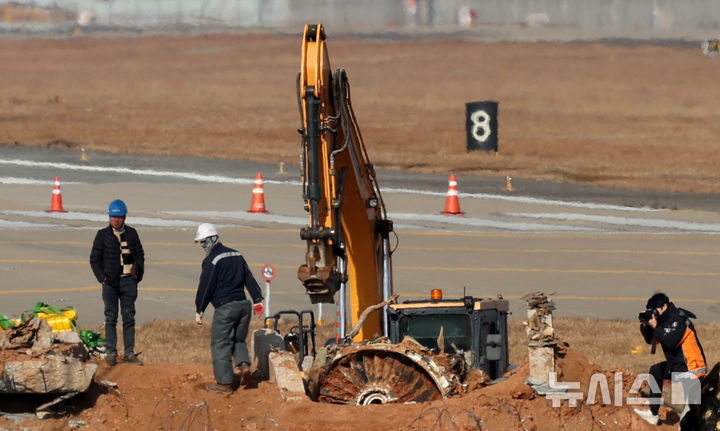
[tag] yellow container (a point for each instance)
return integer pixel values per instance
(70, 313)
(60, 322)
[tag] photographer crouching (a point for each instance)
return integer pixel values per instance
(684, 357)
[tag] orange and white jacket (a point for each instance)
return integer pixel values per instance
(679, 341)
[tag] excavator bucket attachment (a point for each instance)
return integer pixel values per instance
(319, 275)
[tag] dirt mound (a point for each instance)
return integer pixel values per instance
(172, 397)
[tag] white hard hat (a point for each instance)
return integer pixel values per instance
(205, 230)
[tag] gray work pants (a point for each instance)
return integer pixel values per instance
(227, 339)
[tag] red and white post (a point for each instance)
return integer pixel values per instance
(268, 274)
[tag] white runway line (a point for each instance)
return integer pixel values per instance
(12, 224)
(527, 200)
(129, 171)
(268, 218)
(103, 219)
(624, 221)
(25, 181)
(240, 215)
(407, 217)
(221, 179)
(487, 223)
(31, 181)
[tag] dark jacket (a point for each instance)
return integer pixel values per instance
(105, 255)
(224, 276)
(679, 341)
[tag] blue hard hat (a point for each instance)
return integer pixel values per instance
(117, 208)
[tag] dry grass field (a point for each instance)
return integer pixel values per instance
(608, 342)
(624, 115)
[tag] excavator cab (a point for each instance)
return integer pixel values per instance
(475, 328)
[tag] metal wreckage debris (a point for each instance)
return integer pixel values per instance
(381, 372)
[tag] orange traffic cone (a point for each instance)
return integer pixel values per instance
(452, 204)
(258, 198)
(56, 202)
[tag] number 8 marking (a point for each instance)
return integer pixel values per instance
(480, 122)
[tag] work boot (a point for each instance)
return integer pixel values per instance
(648, 416)
(111, 359)
(245, 373)
(221, 389)
(133, 359)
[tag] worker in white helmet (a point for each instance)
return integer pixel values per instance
(224, 278)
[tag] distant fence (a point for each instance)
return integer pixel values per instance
(611, 16)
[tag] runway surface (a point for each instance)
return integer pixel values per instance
(600, 253)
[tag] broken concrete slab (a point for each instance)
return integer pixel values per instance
(49, 374)
(43, 336)
(307, 363)
(284, 372)
(69, 337)
(37, 361)
(265, 341)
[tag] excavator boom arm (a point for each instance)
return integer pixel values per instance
(347, 234)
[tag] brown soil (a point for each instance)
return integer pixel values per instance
(624, 115)
(172, 397)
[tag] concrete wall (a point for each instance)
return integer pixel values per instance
(621, 18)
(613, 15)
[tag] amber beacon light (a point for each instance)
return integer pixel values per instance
(436, 294)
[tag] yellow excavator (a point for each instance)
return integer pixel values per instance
(410, 352)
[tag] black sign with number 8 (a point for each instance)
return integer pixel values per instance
(481, 124)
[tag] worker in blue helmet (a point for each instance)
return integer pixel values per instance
(118, 262)
(117, 208)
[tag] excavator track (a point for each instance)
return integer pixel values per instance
(379, 374)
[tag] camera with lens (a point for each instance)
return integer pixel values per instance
(648, 314)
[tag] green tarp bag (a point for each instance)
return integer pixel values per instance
(5, 322)
(91, 338)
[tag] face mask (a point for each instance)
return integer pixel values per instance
(208, 243)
